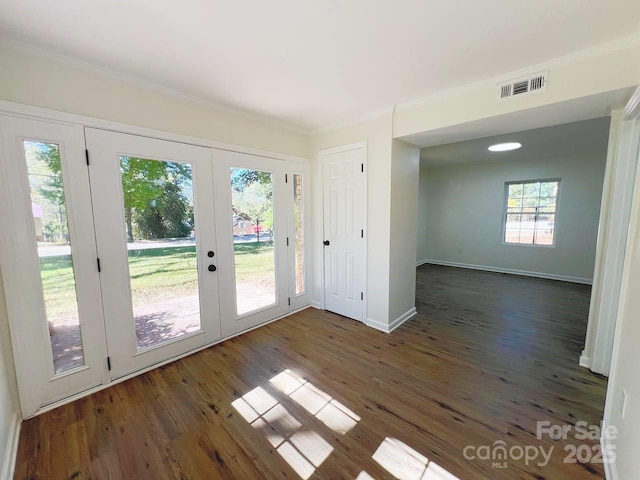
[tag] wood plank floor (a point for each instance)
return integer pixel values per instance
(487, 356)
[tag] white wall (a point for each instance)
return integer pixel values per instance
(8, 386)
(465, 205)
(40, 81)
(377, 134)
(405, 168)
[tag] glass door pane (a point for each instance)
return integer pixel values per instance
(48, 207)
(254, 253)
(161, 244)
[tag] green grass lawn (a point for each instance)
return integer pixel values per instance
(156, 274)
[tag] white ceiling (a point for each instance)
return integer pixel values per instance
(313, 63)
(558, 141)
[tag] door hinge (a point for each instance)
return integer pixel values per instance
(361, 295)
(287, 241)
(289, 301)
(99, 269)
(86, 154)
(362, 167)
(109, 363)
(286, 178)
(361, 233)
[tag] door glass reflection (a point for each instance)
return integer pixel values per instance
(253, 229)
(160, 229)
(49, 211)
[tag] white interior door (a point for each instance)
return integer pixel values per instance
(155, 226)
(48, 255)
(251, 208)
(344, 244)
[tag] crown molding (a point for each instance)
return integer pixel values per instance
(139, 82)
(593, 52)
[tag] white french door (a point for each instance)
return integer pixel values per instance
(120, 252)
(155, 228)
(251, 198)
(48, 252)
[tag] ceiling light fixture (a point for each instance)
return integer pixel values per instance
(505, 147)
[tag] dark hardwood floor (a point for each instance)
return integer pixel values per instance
(487, 356)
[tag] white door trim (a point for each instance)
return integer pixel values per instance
(623, 157)
(321, 154)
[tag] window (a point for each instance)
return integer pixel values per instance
(531, 212)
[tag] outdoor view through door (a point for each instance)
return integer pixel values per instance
(54, 249)
(252, 213)
(159, 217)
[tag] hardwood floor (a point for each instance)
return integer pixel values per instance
(487, 356)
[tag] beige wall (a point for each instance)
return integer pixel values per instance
(377, 134)
(39, 81)
(8, 385)
(405, 167)
(569, 79)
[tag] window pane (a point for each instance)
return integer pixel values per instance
(531, 190)
(298, 212)
(530, 202)
(549, 189)
(512, 235)
(514, 203)
(159, 224)
(252, 200)
(526, 235)
(515, 190)
(54, 249)
(548, 202)
(545, 229)
(513, 221)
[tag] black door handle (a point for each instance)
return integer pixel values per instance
(326, 243)
(212, 268)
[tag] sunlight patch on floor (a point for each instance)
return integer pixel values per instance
(404, 463)
(328, 410)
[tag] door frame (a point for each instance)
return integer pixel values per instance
(321, 155)
(623, 161)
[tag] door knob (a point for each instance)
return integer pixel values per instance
(326, 243)
(212, 268)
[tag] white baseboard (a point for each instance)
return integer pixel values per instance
(316, 304)
(421, 262)
(388, 328)
(610, 468)
(11, 452)
(511, 271)
(585, 361)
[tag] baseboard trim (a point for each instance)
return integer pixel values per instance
(421, 262)
(11, 451)
(388, 328)
(610, 469)
(510, 271)
(585, 361)
(316, 304)
(402, 318)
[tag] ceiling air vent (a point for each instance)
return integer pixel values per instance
(536, 83)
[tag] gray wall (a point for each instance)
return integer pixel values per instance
(461, 209)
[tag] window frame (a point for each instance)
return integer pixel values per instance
(505, 211)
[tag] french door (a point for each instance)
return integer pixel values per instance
(251, 194)
(48, 251)
(120, 251)
(155, 227)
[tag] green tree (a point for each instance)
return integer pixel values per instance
(145, 183)
(253, 197)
